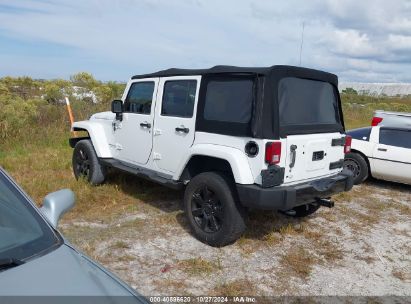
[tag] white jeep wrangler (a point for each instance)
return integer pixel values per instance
(236, 138)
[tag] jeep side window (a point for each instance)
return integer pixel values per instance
(178, 98)
(229, 100)
(139, 98)
(395, 137)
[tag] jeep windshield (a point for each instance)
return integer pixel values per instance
(308, 106)
(23, 233)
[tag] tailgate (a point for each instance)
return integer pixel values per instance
(314, 155)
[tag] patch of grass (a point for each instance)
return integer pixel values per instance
(363, 221)
(241, 287)
(198, 266)
(403, 232)
(299, 260)
(402, 208)
(169, 285)
(330, 251)
(125, 258)
(273, 238)
(292, 229)
(331, 215)
(366, 258)
(167, 219)
(133, 224)
(90, 248)
(249, 246)
(344, 196)
(120, 245)
(313, 235)
(400, 274)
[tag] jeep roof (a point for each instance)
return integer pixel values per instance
(265, 122)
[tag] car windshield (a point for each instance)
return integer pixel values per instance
(361, 133)
(23, 233)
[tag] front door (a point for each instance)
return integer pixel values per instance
(174, 125)
(133, 135)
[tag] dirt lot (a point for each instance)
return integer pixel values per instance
(360, 247)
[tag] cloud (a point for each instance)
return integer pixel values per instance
(400, 42)
(116, 39)
(352, 43)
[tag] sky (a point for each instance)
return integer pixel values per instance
(359, 40)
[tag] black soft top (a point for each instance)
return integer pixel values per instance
(275, 70)
(265, 116)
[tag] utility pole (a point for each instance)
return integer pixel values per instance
(302, 41)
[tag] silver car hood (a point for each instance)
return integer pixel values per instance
(62, 272)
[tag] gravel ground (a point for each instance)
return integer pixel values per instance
(361, 247)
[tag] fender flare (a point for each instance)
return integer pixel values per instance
(236, 158)
(97, 135)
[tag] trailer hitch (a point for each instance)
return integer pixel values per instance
(318, 202)
(325, 202)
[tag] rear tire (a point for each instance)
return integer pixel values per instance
(357, 165)
(212, 209)
(85, 163)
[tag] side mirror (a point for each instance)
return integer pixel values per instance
(56, 204)
(117, 108)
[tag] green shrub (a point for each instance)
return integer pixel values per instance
(16, 115)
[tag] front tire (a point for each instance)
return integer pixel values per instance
(210, 204)
(86, 164)
(357, 165)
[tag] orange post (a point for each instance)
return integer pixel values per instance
(70, 115)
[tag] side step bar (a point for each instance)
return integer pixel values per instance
(142, 172)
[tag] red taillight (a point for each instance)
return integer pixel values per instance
(347, 145)
(375, 121)
(273, 152)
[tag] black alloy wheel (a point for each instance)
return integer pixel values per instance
(86, 164)
(207, 209)
(82, 164)
(212, 208)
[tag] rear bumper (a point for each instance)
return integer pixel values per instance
(288, 197)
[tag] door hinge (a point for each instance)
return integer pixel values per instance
(157, 132)
(116, 125)
(156, 156)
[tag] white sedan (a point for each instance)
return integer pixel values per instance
(384, 152)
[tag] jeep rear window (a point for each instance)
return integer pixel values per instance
(229, 100)
(304, 102)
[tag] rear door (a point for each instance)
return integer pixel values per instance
(312, 156)
(309, 115)
(391, 159)
(174, 125)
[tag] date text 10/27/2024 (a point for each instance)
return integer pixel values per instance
(202, 299)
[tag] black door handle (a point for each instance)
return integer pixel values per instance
(382, 149)
(146, 125)
(182, 129)
(293, 155)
